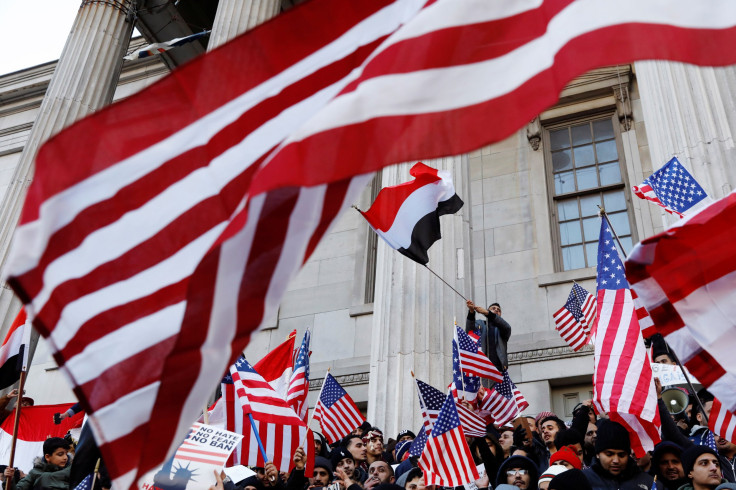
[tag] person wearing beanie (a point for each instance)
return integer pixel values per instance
(614, 468)
(401, 451)
(660, 350)
(405, 435)
(550, 473)
(702, 468)
(572, 439)
(322, 472)
(566, 457)
(343, 459)
(667, 465)
(573, 479)
(518, 471)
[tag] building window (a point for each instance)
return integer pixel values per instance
(585, 170)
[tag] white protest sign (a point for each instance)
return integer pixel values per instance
(671, 374)
(239, 473)
(204, 450)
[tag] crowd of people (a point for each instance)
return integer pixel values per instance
(541, 452)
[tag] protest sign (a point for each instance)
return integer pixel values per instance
(671, 374)
(204, 450)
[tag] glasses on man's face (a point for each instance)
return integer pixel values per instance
(519, 471)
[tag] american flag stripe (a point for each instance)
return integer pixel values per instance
(722, 422)
(570, 329)
(646, 192)
(472, 361)
(89, 253)
(339, 420)
(473, 425)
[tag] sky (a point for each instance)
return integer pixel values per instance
(33, 31)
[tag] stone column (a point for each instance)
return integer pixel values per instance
(237, 16)
(414, 311)
(84, 80)
(690, 112)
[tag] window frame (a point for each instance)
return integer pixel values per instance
(553, 198)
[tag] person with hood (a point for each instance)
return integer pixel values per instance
(494, 333)
(615, 468)
(321, 448)
(667, 465)
(322, 473)
(702, 468)
(51, 472)
(518, 471)
(570, 479)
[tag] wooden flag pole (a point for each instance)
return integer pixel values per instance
(16, 422)
(425, 265)
(94, 476)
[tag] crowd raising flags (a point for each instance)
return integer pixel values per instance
(183, 217)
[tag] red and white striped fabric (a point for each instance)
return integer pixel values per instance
(722, 422)
(645, 191)
(280, 429)
(685, 276)
(504, 401)
(446, 459)
(473, 424)
(646, 324)
(472, 360)
(148, 255)
(277, 366)
(622, 378)
(299, 382)
(336, 411)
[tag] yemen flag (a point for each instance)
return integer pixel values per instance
(13, 353)
(36, 424)
(407, 216)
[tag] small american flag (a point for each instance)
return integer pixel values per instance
(299, 381)
(504, 401)
(431, 400)
(673, 188)
(574, 320)
(336, 411)
(473, 424)
(86, 483)
(281, 431)
(446, 459)
(466, 386)
(472, 361)
(722, 422)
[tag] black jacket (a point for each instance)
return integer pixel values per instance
(632, 478)
(494, 337)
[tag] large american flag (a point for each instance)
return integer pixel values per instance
(504, 401)
(673, 188)
(575, 319)
(281, 431)
(685, 277)
(722, 421)
(472, 361)
(299, 382)
(446, 459)
(148, 255)
(336, 411)
(622, 377)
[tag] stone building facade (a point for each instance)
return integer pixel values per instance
(528, 229)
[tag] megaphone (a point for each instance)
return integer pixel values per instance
(675, 400)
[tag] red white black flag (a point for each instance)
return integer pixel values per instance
(14, 351)
(407, 216)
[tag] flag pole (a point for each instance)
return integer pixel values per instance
(425, 265)
(258, 439)
(94, 475)
(605, 216)
(16, 422)
(672, 351)
(421, 398)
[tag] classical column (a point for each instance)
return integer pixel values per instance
(690, 112)
(414, 311)
(237, 16)
(84, 80)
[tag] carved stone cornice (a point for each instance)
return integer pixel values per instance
(534, 133)
(623, 106)
(344, 380)
(548, 354)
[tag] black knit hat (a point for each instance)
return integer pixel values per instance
(573, 478)
(320, 462)
(612, 435)
(659, 346)
(405, 432)
(691, 454)
(339, 454)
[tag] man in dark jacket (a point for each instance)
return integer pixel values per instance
(667, 465)
(494, 333)
(614, 469)
(518, 471)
